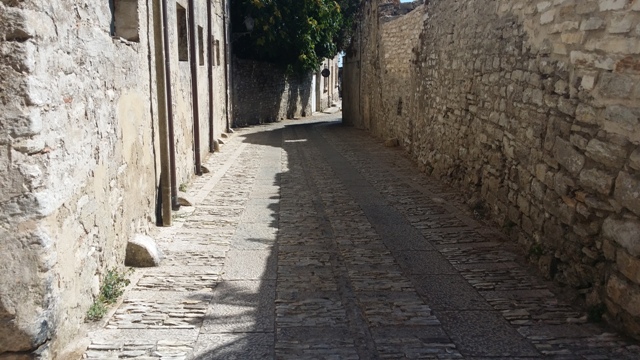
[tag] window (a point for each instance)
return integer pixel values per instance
(183, 35)
(124, 19)
(201, 44)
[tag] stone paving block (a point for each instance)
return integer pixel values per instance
(428, 222)
(414, 348)
(254, 236)
(209, 235)
(395, 309)
(202, 257)
(355, 256)
(201, 243)
(449, 292)
(262, 211)
(362, 241)
(315, 343)
(517, 294)
(179, 278)
(217, 211)
(468, 255)
(304, 256)
(378, 278)
(484, 333)
(115, 337)
(183, 312)
(308, 279)
(424, 262)
(140, 350)
(417, 206)
(311, 311)
(266, 191)
(250, 265)
(501, 279)
(240, 346)
(404, 238)
(241, 307)
(450, 236)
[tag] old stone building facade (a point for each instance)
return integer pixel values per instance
(533, 106)
(85, 139)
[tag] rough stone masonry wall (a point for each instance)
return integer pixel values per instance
(78, 157)
(399, 35)
(77, 147)
(262, 93)
(534, 107)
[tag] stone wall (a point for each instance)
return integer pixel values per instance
(263, 93)
(532, 107)
(79, 156)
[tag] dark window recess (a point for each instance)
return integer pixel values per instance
(400, 106)
(218, 52)
(213, 51)
(183, 34)
(201, 44)
(124, 19)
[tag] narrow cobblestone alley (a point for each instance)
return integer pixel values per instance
(309, 240)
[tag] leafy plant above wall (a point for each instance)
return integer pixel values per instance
(297, 34)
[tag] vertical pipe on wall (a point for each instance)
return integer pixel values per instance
(194, 86)
(165, 171)
(227, 66)
(210, 71)
(170, 128)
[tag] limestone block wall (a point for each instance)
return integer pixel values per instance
(262, 92)
(533, 107)
(398, 37)
(79, 154)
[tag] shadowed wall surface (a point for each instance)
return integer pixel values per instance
(531, 106)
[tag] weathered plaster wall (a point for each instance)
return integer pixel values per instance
(533, 107)
(86, 138)
(78, 157)
(262, 92)
(219, 81)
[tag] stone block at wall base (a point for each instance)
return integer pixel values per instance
(142, 251)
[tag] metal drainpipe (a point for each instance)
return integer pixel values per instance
(194, 87)
(210, 71)
(165, 172)
(171, 133)
(227, 66)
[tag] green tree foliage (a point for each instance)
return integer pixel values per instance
(297, 34)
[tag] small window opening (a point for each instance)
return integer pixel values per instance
(183, 35)
(124, 19)
(213, 51)
(399, 106)
(218, 52)
(201, 44)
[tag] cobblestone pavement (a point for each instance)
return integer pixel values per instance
(309, 240)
